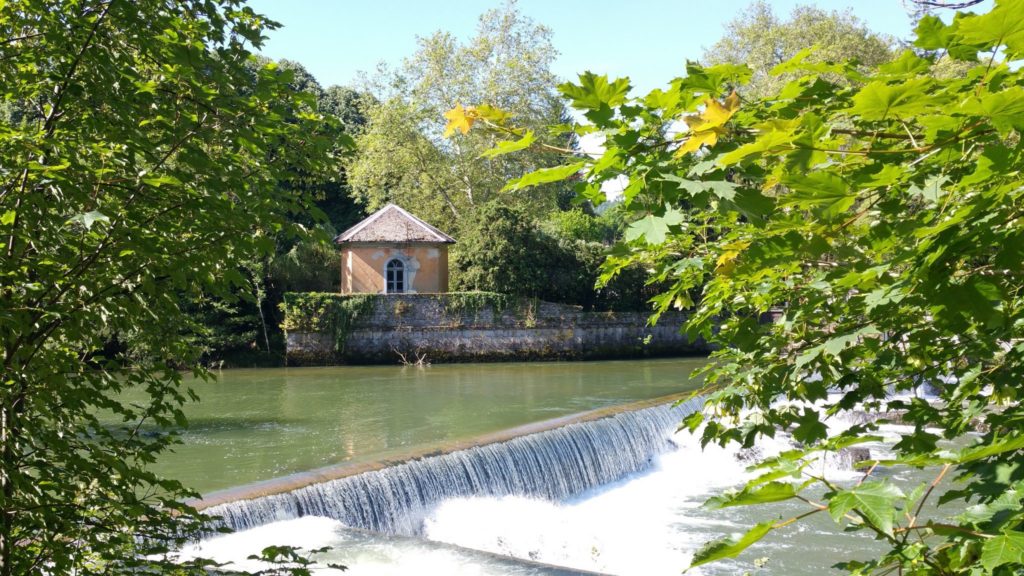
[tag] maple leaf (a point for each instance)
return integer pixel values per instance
(698, 139)
(715, 113)
(460, 119)
(727, 259)
(707, 126)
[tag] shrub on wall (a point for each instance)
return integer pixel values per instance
(503, 250)
(325, 312)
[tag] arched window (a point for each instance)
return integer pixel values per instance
(395, 276)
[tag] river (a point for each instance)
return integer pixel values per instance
(253, 425)
(258, 424)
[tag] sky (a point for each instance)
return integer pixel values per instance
(647, 40)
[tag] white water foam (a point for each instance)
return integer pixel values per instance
(309, 533)
(640, 525)
(364, 553)
(646, 523)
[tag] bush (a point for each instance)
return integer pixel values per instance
(503, 249)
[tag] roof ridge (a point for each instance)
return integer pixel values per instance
(438, 236)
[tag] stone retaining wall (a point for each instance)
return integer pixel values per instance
(466, 327)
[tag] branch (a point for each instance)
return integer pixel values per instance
(920, 505)
(20, 38)
(946, 4)
(50, 123)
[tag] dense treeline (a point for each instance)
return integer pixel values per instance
(535, 243)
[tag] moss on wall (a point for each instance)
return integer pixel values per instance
(328, 313)
(337, 314)
(472, 303)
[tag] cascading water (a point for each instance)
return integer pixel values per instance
(553, 465)
(652, 522)
(620, 495)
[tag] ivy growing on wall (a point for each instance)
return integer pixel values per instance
(327, 313)
(472, 303)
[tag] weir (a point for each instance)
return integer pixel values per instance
(556, 463)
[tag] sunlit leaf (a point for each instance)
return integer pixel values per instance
(768, 492)
(87, 219)
(1007, 548)
(459, 119)
(730, 547)
(509, 146)
(544, 176)
(874, 500)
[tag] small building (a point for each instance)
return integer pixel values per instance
(393, 252)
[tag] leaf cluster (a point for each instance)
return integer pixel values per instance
(146, 160)
(848, 239)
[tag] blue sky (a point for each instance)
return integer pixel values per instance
(647, 40)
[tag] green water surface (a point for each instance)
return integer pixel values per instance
(258, 424)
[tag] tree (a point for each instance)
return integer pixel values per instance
(503, 250)
(845, 240)
(243, 329)
(145, 162)
(347, 105)
(402, 155)
(758, 39)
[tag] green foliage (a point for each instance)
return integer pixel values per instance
(242, 329)
(291, 561)
(576, 225)
(144, 160)
(758, 39)
(874, 213)
(730, 547)
(329, 313)
(311, 265)
(347, 105)
(472, 303)
(403, 157)
(503, 250)
(875, 502)
(226, 328)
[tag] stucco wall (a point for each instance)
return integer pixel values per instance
(426, 267)
(442, 328)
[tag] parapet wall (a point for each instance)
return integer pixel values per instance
(465, 327)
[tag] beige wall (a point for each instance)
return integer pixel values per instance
(362, 267)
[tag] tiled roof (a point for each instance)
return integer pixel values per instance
(393, 224)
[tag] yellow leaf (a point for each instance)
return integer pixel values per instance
(698, 139)
(725, 262)
(460, 119)
(732, 102)
(706, 127)
(715, 113)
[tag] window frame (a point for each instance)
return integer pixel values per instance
(395, 276)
